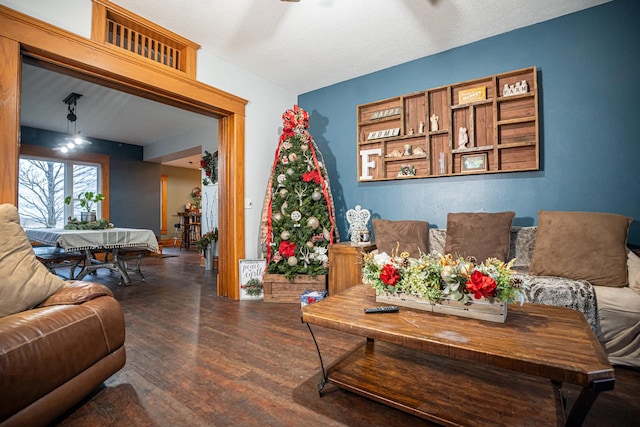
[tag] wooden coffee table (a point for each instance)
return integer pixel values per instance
(458, 371)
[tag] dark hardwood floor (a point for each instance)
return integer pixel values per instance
(195, 359)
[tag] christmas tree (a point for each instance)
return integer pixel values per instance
(298, 217)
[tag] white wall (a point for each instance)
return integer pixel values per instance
(263, 123)
(263, 126)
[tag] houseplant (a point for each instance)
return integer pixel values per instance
(87, 200)
(206, 245)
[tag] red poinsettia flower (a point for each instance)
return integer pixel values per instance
(287, 249)
(389, 275)
(312, 176)
(481, 285)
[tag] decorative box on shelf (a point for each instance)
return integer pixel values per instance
(277, 288)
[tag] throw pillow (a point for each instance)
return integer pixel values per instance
(405, 236)
(481, 235)
(582, 246)
(25, 281)
(633, 267)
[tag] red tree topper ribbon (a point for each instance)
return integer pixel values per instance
(389, 275)
(481, 285)
(287, 248)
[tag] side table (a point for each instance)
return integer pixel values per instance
(345, 265)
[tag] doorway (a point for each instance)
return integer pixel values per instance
(21, 35)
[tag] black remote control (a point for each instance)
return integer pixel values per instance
(382, 309)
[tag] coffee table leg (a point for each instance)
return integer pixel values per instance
(324, 374)
(586, 398)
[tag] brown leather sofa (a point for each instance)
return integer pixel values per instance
(55, 354)
(58, 340)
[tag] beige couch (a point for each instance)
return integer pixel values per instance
(573, 259)
(58, 340)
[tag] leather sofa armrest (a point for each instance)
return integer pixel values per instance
(77, 292)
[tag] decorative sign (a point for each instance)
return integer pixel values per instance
(385, 113)
(474, 94)
(250, 269)
(517, 88)
(384, 133)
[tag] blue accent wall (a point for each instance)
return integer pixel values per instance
(589, 93)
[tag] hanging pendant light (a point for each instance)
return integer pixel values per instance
(76, 139)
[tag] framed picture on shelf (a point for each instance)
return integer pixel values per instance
(474, 162)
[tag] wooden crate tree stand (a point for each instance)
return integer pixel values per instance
(277, 288)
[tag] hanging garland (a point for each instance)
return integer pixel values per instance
(209, 164)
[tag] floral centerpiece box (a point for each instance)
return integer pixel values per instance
(444, 284)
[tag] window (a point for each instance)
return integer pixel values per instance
(43, 185)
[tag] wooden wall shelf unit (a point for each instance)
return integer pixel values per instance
(396, 139)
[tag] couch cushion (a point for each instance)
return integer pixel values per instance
(406, 236)
(25, 281)
(619, 315)
(583, 246)
(633, 268)
(482, 235)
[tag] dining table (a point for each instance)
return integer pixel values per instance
(91, 241)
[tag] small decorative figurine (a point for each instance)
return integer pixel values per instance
(421, 127)
(407, 150)
(434, 122)
(463, 138)
(357, 219)
(410, 131)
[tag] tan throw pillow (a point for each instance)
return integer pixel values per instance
(582, 246)
(412, 236)
(481, 235)
(25, 281)
(633, 267)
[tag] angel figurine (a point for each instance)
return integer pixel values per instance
(358, 219)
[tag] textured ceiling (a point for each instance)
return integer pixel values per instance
(299, 46)
(314, 43)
